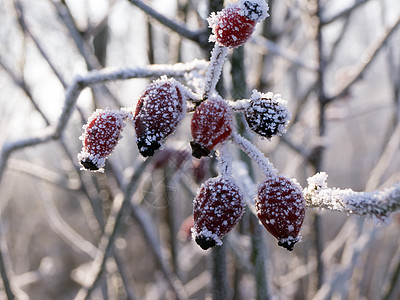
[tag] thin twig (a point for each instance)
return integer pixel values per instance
(181, 29)
(120, 206)
(367, 58)
(273, 48)
(344, 13)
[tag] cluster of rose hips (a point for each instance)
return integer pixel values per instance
(219, 203)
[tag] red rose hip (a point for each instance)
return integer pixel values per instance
(217, 208)
(101, 134)
(280, 207)
(211, 125)
(234, 25)
(158, 112)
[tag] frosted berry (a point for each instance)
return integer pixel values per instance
(280, 206)
(267, 114)
(234, 25)
(211, 125)
(158, 112)
(101, 134)
(217, 208)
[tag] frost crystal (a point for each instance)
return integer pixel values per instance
(256, 10)
(377, 204)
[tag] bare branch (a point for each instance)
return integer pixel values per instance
(367, 58)
(344, 13)
(181, 29)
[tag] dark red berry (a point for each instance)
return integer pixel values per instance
(101, 135)
(211, 125)
(217, 208)
(158, 112)
(230, 27)
(280, 206)
(267, 114)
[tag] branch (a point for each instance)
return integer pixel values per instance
(290, 56)
(344, 13)
(368, 58)
(120, 206)
(196, 36)
(92, 78)
(379, 204)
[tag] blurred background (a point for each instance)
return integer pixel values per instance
(336, 62)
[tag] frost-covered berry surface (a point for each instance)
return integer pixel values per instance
(217, 208)
(101, 135)
(267, 114)
(212, 123)
(158, 112)
(280, 206)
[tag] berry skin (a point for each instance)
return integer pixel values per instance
(230, 27)
(280, 207)
(158, 112)
(234, 25)
(267, 114)
(211, 125)
(217, 208)
(101, 134)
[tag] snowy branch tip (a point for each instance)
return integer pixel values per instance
(378, 204)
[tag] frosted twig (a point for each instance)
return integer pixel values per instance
(253, 152)
(369, 55)
(61, 227)
(120, 205)
(345, 13)
(5, 267)
(181, 29)
(92, 78)
(8, 148)
(378, 204)
(25, 28)
(85, 50)
(21, 83)
(213, 74)
(385, 159)
(343, 274)
(273, 48)
(225, 160)
(147, 228)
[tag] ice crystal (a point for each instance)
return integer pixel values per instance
(255, 10)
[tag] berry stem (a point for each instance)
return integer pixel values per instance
(213, 74)
(253, 152)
